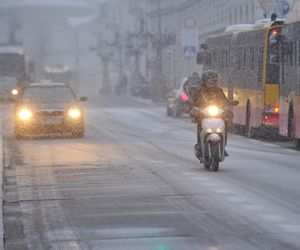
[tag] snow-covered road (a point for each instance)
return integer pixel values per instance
(133, 183)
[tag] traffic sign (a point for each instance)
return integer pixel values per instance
(285, 7)
(189, 51)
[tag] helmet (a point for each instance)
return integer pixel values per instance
(210, 78)
(195, 74)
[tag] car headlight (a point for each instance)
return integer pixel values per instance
(74, 113)
(213, 111)
(14, 92)
(25, 114)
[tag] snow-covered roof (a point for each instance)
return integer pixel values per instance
(66, 3)
(262, 23)
(239, 27)
(11, 50)
(47, 83)
(56, 69)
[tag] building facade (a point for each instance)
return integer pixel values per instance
(190, 22)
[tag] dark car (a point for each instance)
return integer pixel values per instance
(178, 101)
(44, 108)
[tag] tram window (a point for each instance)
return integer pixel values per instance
(299, 53)
(252, 58)
(214, 60)
(236, 59)
(272, 73)
(220, 58)
(245, 58)
(295, 54)
(226, 59)
(291, 54)
(260, 65)
(239, 58)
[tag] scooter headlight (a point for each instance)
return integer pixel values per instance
(209, 130)
(219, 130)
(213, 111)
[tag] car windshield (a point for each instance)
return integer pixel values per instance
(48, 94)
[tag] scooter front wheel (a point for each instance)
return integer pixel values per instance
(215, 157)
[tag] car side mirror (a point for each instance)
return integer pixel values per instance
(83, 98)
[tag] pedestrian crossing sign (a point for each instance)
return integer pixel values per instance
(189, 51)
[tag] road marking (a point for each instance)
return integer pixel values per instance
(236, 199)
(189, 174)
(253, 207)
(272, 217)
(223, 191)
(197, 178)
(157, 162)
(211, 184)
(291, 228)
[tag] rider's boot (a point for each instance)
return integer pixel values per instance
(198, 151)
(225, 153)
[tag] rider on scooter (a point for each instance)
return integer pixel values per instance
(207, 92)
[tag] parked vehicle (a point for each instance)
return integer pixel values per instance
(288, 60)
(44, 108)
(16, 70)
(178, 101)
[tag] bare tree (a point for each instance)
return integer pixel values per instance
(103, 51)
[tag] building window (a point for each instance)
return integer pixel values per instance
(235, 15)
(299, 53)
(253, 11)
(246, 12)
(241, 14)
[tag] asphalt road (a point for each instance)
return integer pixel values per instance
(133, 183)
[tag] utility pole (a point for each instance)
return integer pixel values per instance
(105, 55)
(103, 50)
(263, 7)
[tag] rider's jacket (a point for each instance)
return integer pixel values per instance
(204, 95)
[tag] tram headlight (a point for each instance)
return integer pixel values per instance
(213, 111)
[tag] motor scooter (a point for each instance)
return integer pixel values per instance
(212, 135)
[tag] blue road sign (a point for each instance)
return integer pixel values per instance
(285, 7)
(189, 51)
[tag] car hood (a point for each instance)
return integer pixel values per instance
(50, 106)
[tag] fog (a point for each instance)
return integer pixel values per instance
(133, 47)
